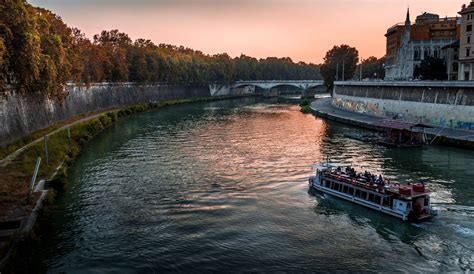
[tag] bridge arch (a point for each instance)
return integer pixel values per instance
(304, 85)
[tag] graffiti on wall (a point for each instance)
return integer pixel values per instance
(375, 110)
(465, 125)
(357, 106)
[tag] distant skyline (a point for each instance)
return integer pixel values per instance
(300, 29)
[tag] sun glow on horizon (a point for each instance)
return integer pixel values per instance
(301, 29)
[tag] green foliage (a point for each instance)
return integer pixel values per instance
(372, 68)
(48, 53)
(306, 109)
(304, 103)
(431, 68)
(3, 63)
(340, 62)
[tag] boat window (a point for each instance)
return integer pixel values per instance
(377, 199)
(427, 201)
(344, 189)
(371, 197)
(357, 193)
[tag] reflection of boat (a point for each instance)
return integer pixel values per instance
(407, 202)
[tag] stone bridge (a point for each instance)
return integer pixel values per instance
(270, 84)
(308, 87)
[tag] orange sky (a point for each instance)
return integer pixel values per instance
(301, 29)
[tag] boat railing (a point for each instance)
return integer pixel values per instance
(360, 181)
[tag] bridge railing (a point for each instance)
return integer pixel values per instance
(278, 81)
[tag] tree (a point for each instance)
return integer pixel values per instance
(115, 44)
(3, 64)
(39, 53)
(432, 68)
(341, 60)
(19, 32)
(372, 68)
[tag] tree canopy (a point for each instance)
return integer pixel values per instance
(39, 53)
(372, 68)
(339, 64)
(431, 68)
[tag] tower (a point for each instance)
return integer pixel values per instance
(404, 53)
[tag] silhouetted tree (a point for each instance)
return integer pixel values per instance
(341, 60)
(372, 68)
(432, 68)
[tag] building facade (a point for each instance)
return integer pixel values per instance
(466, 48)
(430, 36)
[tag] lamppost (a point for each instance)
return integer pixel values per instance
(343, 63)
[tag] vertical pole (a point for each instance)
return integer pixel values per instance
(69, 134)
(337, 71)
(360, 70)
(46, 149)
(449, 63)
(343, 63)
(33, 178)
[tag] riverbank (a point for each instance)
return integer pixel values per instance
(65, 143)
(444, 136)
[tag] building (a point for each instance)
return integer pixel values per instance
(408, 44)
(466, 49)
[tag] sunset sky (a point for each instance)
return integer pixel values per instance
(301, 29)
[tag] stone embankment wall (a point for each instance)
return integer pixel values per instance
(446, 104)
(23, 114)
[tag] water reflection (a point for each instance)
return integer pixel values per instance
(222, 186)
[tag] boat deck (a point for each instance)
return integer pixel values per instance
(386, 188)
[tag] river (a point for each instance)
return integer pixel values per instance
(222, 186)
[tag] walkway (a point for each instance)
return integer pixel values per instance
(323, 107)
(12, 156)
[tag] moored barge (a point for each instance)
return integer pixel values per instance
(407, 202)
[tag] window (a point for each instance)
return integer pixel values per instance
(469, 39)
(468, 28)
(417, 54)
(426, 53)
(468, 52)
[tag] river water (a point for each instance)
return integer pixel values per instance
(222, 186)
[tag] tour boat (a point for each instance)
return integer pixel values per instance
(407, 202)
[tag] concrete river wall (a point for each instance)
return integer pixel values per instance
(23, 114)
(446, 104)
